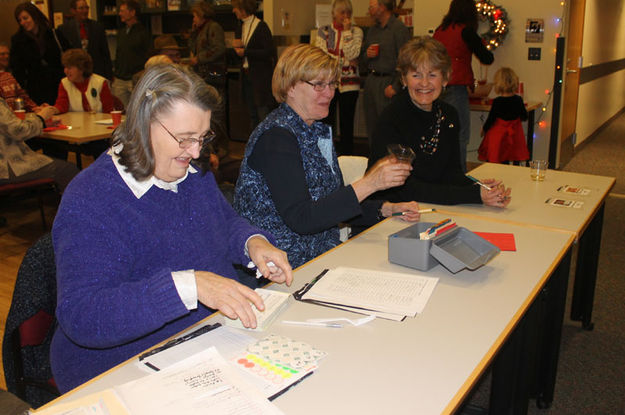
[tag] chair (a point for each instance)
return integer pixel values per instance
(30, 326)
(352, 168)
(36, 187)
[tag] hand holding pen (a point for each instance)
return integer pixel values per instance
(498, 195)
(408, 211)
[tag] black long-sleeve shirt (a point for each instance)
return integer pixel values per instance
(277, 156)
(435, 178)
(507, 108)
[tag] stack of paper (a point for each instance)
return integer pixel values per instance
(275, 302)
(388, 295)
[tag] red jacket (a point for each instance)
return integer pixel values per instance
(459, 52)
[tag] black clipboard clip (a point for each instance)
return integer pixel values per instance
(300, 293)
(179, 340)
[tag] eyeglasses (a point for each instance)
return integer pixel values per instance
(321, 86)
(185, 143)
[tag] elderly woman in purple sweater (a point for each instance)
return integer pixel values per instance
(141, 236)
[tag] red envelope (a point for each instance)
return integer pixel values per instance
(504, 241)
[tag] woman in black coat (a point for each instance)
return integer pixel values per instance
(36, 50)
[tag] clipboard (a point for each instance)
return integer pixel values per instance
(298, 295)
(175, 342)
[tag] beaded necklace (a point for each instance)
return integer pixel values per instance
(430, 145)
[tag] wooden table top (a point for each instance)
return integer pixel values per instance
(83, 128)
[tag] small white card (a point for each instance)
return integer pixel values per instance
(554, 201)
(576, 190)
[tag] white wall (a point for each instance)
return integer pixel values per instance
(604, 34)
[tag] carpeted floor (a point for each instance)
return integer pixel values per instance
(591, 369)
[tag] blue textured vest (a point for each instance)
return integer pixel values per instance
(252, 199)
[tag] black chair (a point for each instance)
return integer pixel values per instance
(34, 187)
(30, 326)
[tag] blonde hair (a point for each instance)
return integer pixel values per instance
(506, 81)
(156, 60)
(301, 63)
(423, 51)
(346, 4)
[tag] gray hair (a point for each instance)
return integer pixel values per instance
(347, 5)
(160, 87)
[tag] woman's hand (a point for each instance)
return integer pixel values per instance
(47, 112)
(384, 174)
(498, 196)
(228, 296)
(261, 252)
(389, 91)
(409, 210)
(239, 51)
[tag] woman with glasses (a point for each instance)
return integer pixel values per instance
(290, 183)
(419, 119)
(144, 242)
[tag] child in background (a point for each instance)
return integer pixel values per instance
(504, 139)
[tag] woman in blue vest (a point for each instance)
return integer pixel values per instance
(290, 183)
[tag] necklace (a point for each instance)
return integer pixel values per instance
(430, 145)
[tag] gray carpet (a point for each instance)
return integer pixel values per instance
(591, 369)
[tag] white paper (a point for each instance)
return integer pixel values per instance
(203, 383)
(228, 342)
(275, 302)
(105, 121)
(388, 292)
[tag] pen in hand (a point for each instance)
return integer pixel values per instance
(476, 181)
(418, 211)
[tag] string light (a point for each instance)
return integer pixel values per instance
(497, 18)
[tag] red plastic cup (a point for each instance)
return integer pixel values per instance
(116, 116)
(21, 114)
(375, 48)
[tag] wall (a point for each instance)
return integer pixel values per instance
(602, 98)
(8, 25)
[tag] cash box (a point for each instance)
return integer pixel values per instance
(455, 249)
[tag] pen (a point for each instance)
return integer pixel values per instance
(479, 182)
(313, 323)
(418, 211)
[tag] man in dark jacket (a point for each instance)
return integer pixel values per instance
(84, 33)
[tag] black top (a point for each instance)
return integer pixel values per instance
(277, 157)
(506, 108)
(97, 45)
(435, 178)
(474, 42)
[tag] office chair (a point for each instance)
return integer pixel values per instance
(30, 326)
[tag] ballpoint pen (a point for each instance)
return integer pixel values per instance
(313, 323)
(418, 211)
(479, 182)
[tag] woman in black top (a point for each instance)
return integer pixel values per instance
(418, 119)
(36, 54)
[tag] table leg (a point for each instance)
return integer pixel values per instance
(75, 148)
(530, 132)
(586, 271)
(552, 300)
(511, 371)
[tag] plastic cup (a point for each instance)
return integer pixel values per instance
(538, 170)
(116, 116)
(376, 48)
(21, 114)
(403, 154)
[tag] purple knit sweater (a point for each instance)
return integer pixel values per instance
(114, 257)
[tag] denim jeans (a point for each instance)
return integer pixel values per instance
(458, 97)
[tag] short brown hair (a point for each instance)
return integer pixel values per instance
(80, 59)
(248, 6)
(424, 50)
(302, 62)
(203, 9)
(506, 81)
(160, 87)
